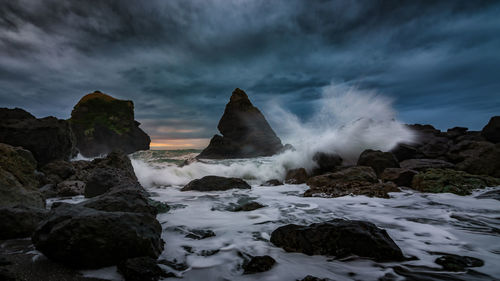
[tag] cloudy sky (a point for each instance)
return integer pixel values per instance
(180, 60)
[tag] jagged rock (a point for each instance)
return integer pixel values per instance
(215, 183)
(19, 221)
(452, 181)
(245, 132)
(358, 180)
(425, 164)
(142, 269)
(399, 176)
(83, 237)
(378, 160)
(70, 188)
(326, 162)
(456, 132)
(404, 151)
(339, 238)
(477, 157)
(18, 180)
(492, 130)
(452, 262)
(296, 176)
(102, 123)
(258, 264)
(47, 138)
(124, 200)
(273, 182)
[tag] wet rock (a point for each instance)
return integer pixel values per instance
(18, 179)
(296, 176)
(82, 237)
(399, 176)
(452, 262)
(142, 269)
(175, 265)
(58, 171)
(452, 181)
(420, 165)
(245, 132)
(378, 160)
(477, 157)
(161, 207)
(102, 123)
(314, 278)
(103, 180)
(404, 151)
(47, 138)
(258, 264)
(70, 188)
(326, 162)
(215, 183)
(249, 207)
(273, 182)
(358, 180)
(492, 194)
(19, 221)
(339, 238)
(124, 200)
(491, 131)
(199, 234)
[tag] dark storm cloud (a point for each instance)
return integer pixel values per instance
(180, 60)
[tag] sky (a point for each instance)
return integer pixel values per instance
(179, 61)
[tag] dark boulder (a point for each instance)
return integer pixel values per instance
(20, 221)
(70, 188)
(421, 165)
(378, 160)
(250, 206)
(258, 264)
(339, 238)
(491, 131)
(18, 178)
(477, 157)
(82, 237)
(273, 182)
(314, 278)
(58, 171)
(296, 176)
(199, 234)
(245, 132)
(142, 269)
(122, 200)
(451, 181)
(102, 123)
(399, 176)
(358, 180)
(452, 262)
(47, 138)
(456, 132)
(404, 151)
(326, 162)
(215, 183)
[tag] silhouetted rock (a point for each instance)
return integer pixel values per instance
(399, 176)
(215, 183)
(456, 132)
(296, 176)
(102, 123)
(258, 264)
(425, 164)
(326, 162)
(492, 130)
(452, 262)
(18, 180)
(378, 160)
(245, 132)
(47, 138)
(87, 238)
(358, 180)
(452, 181)
(339, 238)
(19, 221)
(142, 269)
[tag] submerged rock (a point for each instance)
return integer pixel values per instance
(102, 123)
(273, 182)
(250, 206)
(314, 278)
(215, 183)
(19, 221)
(18, 179)
(452, 181)
(47, 138)
(378, 160)
(245, 132)
(142, 269)
(491, 131)
(339, 238)
(296, 176)
(258, 264)
(452, 262)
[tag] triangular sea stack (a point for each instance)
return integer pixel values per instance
(245, 132)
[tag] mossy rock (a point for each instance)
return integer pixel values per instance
(451, 181)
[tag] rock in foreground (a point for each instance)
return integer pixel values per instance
(102, 123)
(258, 264)
(245, 132)
(19, 221)
(215, 183)
(339, 238)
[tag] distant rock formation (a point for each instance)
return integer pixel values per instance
(245, 132)
(102, 123)
(47, 138)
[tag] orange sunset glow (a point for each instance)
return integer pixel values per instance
(166, 144)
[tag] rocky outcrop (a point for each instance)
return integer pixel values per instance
(358, 180)
(452, 262)
(326, 162)
(18, 180)
(378, 160)
(421, 165)
(19, 221)
(339, 238)
(245, 132)
(102, 123)
(258, 264)
(477, 157)
(296, 176)
(47, 138)
(491, 131)
(215, 183)
(399, 176)
(84, 237)
(452, 181)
